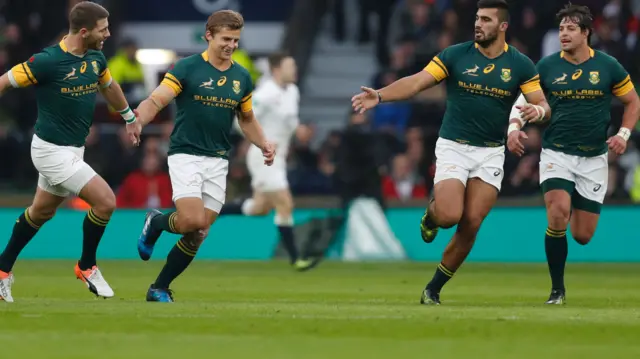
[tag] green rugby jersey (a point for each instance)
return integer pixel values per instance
(481, 91)
(580, 99)
(207, 100)
(66, 86)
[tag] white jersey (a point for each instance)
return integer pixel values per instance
(277, 109)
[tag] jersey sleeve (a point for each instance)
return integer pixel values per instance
(440, 64)
(622, 83)
(530, 79)
(32, 71)
(104, 77)
(176, 76)
(246, 103)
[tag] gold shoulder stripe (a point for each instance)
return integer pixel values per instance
(625, 89)
(246, 104)
(623, 82)
(530, 86)
(172, 85)
(441, 64)
(172, 78)
(27, 71)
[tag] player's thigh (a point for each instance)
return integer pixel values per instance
(283, 201)
(479, 199)
(45, 202)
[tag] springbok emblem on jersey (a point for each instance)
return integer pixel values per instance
(562, 80)
(472, 72)
(96, 69)
(208, 84)
(236, 87)
(505, 75)
(71, 75)
(594, 77)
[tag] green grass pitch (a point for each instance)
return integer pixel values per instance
(339, 310)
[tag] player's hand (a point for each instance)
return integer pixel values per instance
(365, 100)
(617, 144)
(514, 142)
(530, 113)
(133, 130)
(269, 153)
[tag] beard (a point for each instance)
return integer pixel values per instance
(95, 44)
(488, 39)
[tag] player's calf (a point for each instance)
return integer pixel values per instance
(179, 258)
(558, 204)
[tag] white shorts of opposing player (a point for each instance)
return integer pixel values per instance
(62, 170)
(589, 174)
(462, 162)
(200, 177)
(267, 178)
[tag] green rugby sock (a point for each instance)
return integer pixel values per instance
(556, 248)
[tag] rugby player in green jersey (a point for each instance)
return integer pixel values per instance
(483, 79)
(580, 84)
(209, 90)
(67, 77)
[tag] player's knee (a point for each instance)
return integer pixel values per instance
(582, 237)
(41, 215)
(193, 223)
(106, 205)
(447, 216)
(559, 214)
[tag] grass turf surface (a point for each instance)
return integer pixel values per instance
(339, 310)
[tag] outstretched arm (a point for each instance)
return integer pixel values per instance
(159, 99)
(402, 89)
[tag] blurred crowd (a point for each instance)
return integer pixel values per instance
(386, 154)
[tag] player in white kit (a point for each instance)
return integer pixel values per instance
(276, 103)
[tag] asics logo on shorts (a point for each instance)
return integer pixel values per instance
(497, 173)
(597, 188)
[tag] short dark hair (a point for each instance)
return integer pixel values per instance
(276, 58)
(579, 14)
(221, 19)
(501, 5)
(85, 15)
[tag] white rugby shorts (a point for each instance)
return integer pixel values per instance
(589, 174)
(62, 170)
(462, 162)
(267, 178)
(201, 177)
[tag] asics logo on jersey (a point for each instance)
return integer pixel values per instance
(208, 84)
(576, 75)
(472, 72)
(71, 75)
(562, 80)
